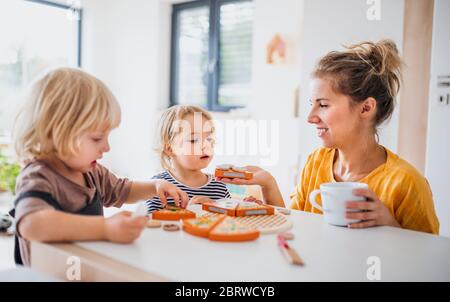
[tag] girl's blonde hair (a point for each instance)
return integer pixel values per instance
(61, 106)
(168, 128)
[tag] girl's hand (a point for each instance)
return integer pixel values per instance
(260, 177)
(200, 200)
(375, 212)
(122, 228)
(269, 186)
(253, 199)
(165, 189)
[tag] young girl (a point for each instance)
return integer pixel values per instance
(186, 146)
(63, 131)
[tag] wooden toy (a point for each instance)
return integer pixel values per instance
(287, 236)
(266, 224)
(170, 212)
(153, 223)
(141, 210)
(219, 228)
(171, 227)
(231, 230)
(222, 206)
(290, 253)
(201, 226)
(284, 211)
(252, 208)
(230, 171)
(235, 207)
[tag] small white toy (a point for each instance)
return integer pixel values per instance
(141, 210)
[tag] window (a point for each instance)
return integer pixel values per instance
(211, 58)
(36, 35)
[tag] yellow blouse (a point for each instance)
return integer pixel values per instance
(402, 189)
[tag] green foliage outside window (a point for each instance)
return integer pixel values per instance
(8, 174)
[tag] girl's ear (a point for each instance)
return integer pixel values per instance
(368, 108)
(168, 150)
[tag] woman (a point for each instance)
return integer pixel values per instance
(353, 92)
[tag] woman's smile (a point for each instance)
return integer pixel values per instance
(321, 131)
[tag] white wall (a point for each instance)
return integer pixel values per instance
(121, 47)
(273, 88)
(437, 168)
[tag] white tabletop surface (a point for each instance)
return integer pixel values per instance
(24, 274)
(330, 253)
(6, 242)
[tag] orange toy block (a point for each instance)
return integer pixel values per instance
(225, 206)
(201, 226)
(172, 213)
(251, 208)
(230, 171)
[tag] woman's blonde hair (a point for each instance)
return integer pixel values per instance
(168, 128)
(363, 70)
(61, 106)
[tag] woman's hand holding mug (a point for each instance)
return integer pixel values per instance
(374, 212)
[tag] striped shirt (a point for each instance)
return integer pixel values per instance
(213, 189)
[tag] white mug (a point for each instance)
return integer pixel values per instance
(335, 195)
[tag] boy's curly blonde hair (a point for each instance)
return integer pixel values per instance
(60, 107)
(168, 128)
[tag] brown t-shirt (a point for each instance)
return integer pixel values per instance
(39, 176)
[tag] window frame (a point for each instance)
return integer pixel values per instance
(79, 22)
(213, 52)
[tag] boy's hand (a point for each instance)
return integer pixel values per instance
(200, 200)
(165, 189)
(122, 228)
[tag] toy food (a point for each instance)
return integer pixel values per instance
(170, 212)
(219, 228)
(235, 207)
(230, 171)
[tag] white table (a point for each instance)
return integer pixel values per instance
(330, 253)
(6, 242)
(24, 274)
